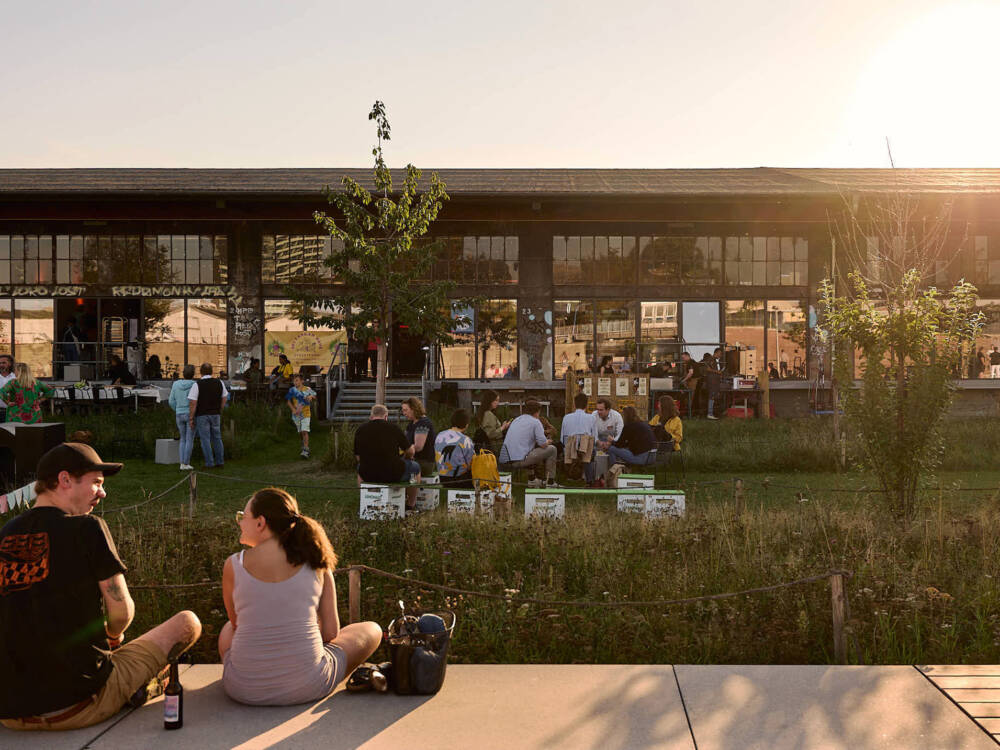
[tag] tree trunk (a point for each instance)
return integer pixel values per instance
(380, 375)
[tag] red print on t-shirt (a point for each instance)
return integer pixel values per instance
(24, 561)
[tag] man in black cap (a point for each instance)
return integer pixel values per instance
(62, 662)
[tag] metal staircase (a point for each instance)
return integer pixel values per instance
(355, 400)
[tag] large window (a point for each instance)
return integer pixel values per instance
(745, 321)
(573, 335)
(33, 324)
(112, 259)
(6, 326)
(659, 345)
(679, 259)
(477, 259)
(206, 332)
(164, 326)
(787, 331)
(297, 258)
(616, 333)
(986, 260)
(609, 261)
(485, 345)
(317, 346)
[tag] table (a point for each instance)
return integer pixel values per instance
(106, 394)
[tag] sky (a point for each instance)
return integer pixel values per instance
(666, 84)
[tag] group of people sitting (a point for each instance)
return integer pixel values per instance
(65, 607)
(386, 454)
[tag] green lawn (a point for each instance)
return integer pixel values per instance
(922, 592)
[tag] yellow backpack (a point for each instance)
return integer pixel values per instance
(484, 469)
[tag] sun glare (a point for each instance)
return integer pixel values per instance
(930, 88)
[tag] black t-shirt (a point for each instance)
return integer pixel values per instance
(378, 444)
(53, 650)
(423, 424)
(995, 358)
(637, 437)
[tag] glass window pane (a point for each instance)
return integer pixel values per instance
(573, 335)
(4, 247)
(206, 332)
(62, 246)
(787, 248)
(5, 325)
(659, 346)
(745, 333)
(177, 247)
(616, 333)
(773, 249)
(163, 321)
(786, 341)
(801, 249)
(496, 338)
(33, 324)
(283, 334)
(760, 248)
(62, 272)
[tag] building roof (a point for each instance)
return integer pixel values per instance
(760, 181)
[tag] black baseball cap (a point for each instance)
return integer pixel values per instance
(76, 458)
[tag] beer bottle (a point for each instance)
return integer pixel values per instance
(173, 700)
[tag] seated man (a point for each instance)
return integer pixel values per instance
(607, 422)
(578, 436)
(526, 445)
(635, 442)
(62, 662)
(377, 448)
(454, 451)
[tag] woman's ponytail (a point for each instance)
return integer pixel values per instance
(302, 538)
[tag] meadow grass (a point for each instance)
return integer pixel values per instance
(923, 592)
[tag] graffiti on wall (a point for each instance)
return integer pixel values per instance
(178, 290)
(46, 290)
(534, 337)
(246, 323)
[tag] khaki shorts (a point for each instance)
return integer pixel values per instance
(135, 664)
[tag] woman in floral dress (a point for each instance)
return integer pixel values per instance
(24, 396)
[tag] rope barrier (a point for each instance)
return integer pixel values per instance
(530, 600)
(165, 492)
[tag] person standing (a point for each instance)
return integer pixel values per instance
(300, 398)
(24, 396)
(6, 375)
(209, 396)
(713, 382)
(65, 606)
(981, 363)
(420, 434)
(179, 392)
(995, 363)
(372, 350)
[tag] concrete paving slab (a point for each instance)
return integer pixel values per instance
(483, 706)
(74, 740)
(830, 707)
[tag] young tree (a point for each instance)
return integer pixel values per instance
(909, 337)
(383, 269)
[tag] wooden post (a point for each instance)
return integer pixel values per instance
(765, 393)
(336, 449)
(354, 594)
(192, 492)
(837, 600)
(738, 496)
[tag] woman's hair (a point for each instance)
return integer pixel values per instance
(668, 409)
(189, 372)
(486, 404)
(302, 538)
(115, 360)
(416, 406)
(606, 360)
(629, 415)
(24, 377)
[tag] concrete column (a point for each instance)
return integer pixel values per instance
(246, 309)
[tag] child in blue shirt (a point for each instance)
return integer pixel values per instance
(299, 398)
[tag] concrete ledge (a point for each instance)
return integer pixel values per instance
(606, 707)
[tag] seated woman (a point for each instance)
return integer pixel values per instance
(454, 452)
(666, 423)
(635, 442)
(283, 643)
(491, 430)
(119, 372)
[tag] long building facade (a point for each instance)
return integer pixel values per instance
(168, 266)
